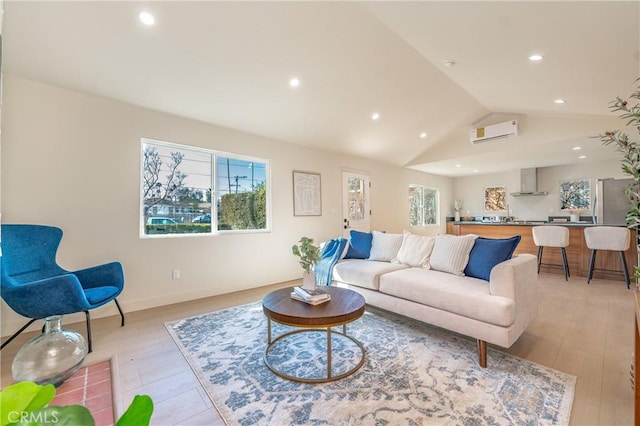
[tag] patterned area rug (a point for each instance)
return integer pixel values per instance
(414, 374)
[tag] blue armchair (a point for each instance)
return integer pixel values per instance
(35, 286)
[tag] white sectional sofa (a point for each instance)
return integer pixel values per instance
(497, 310)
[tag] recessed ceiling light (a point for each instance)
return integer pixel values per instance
(582, 157)
(423, 135)
(294, 82)
(146, 18)
(535, 58)
(577, 148)
(475, 170)
(458, 165)
(559, 101)
(449, 63)
(375, 116)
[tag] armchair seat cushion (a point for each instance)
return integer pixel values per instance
(101, 295)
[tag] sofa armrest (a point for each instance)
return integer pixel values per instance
(516, 279)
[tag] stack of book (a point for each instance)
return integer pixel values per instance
(312, 297)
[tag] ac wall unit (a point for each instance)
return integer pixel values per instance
(494, 131)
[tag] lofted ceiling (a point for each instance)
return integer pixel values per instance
(229, 63)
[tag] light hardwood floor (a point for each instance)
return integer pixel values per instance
(584, 330)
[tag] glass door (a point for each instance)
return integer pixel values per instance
(355, 202)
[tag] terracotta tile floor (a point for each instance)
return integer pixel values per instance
(90, 386)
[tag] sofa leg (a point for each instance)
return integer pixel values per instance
(482, 353)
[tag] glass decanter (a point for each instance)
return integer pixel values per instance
(52, 357)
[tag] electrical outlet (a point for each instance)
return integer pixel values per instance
(175, 274)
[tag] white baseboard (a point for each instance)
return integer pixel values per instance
(14, 322)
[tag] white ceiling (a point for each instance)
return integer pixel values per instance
(229, 63)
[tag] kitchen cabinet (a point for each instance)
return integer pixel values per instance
(577, 252)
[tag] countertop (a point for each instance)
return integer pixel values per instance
(528, 223)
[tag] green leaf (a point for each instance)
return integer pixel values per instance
(23, 397)
(138, 413)
(66, 415)
(42, 398)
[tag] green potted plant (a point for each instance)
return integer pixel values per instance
(309, 255)
(27, 404)
(630, 150)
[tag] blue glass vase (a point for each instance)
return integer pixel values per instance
(52, 357)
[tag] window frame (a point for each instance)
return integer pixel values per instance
(215, 192)
(437, 207)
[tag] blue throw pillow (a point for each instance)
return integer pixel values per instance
(359, 245)
(487, 253)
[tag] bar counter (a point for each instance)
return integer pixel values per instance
(523, 223)
(577, 252)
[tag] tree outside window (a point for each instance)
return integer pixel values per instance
(423, 205)
(242, 194)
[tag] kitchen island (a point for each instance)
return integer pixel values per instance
(577, 252)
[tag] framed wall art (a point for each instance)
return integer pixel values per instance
(495, 199)
(307, 194)
(575, 194)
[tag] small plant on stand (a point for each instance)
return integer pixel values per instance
(309, 255)
(630, 150)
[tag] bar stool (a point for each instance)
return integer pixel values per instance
(613, 238)
(552, 236)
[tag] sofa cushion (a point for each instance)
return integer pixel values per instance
(451, 253)
(415, 250)
(384, 247)
(487, 253)
(359, 245)
(363, 273)
(466, 296)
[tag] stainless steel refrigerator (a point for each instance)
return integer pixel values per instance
(610, 204)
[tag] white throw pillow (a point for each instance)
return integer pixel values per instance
(415, 250)
(451, 253)
(384, 247)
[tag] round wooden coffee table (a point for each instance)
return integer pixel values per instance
(344, 307)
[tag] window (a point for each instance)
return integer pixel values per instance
(356, 198)
(423, 205)
(187, 190)
(242, 193)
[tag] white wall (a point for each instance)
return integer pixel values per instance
(471, 189)
(73, 160)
